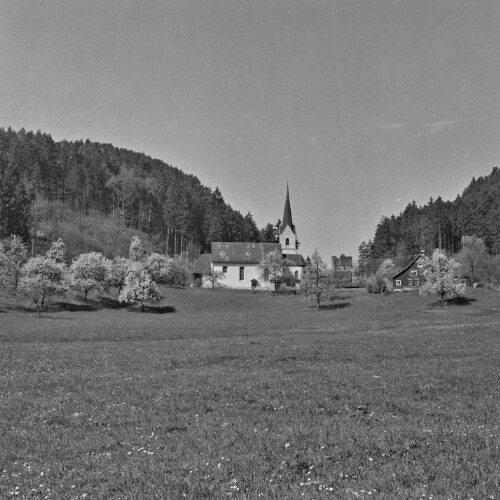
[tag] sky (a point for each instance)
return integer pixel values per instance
(360, 105)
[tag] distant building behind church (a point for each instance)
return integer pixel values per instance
(342, 263)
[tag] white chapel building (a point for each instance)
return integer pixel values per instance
(239, 262)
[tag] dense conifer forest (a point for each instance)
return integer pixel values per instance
(439, 224)
(130, 188)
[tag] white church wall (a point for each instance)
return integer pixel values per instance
(250, 271)
(232, 277)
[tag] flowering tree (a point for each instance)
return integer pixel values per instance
(275, 268)
(384, 274)
(318, 282)
(136, 251)
(42, 277)
(57, 251)
(139, 286)
(11, 261)
(160, 267)
(440, 275)
(117, 272)
(88, 273)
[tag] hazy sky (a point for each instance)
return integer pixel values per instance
(362, 105)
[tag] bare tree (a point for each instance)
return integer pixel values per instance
(472, 254)
(490, 265)
(318, 282)
(214, 277)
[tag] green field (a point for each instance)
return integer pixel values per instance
(219, 394)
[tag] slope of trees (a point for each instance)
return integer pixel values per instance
(135, 190)
(439, 224)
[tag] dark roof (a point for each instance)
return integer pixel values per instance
(203, 264)
(408, 266)
(296, 259)
(287, 215)
(244, 253)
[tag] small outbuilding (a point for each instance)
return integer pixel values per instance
(202, 267)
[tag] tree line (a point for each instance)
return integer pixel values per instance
(438, 224)
(134, 189)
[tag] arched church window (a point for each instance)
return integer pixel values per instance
(287, 242)
(296, 274)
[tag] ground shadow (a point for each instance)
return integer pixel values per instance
(21, 308)
(457, 301)
(153, 309)
(332, 307)
(461, 301)
(71, 307)
(91, 305)
(54, 307)
(110, 303)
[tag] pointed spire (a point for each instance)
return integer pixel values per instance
(287, 215)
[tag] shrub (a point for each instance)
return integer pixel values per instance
(181, 271)
(376, 284)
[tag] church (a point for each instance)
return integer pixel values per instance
(238, 262)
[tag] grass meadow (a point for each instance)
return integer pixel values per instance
(219, 394)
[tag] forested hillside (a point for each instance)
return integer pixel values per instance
(440, 224)
(132, 189)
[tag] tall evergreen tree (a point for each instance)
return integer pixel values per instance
(250, 230)
(268, 234)
(14, 202)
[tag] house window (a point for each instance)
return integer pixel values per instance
(287, 242)
(266, 274)
(242, 273)
(416, 282)
(398, 282)
(224, 269)
(414, 273)
(410, 281)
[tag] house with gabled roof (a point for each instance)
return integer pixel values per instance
(238, 262)
(411, 277)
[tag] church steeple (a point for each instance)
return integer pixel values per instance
(288, 235)
(287, 215)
